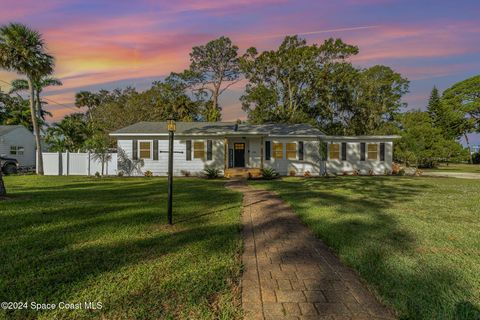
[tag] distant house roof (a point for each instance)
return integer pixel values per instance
(7, 129)
(219, 128)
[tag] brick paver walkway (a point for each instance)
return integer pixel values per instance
(289, 273)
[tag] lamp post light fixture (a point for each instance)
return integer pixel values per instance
(171, 127)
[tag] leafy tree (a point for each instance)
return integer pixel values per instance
(462, 101)
(121, 108)
(99, 145)
(23, 50)
(69, 134)
(295, 83)
(422, 143)
(89, 100)
(214, 67)
(14, 110)
(376, 100)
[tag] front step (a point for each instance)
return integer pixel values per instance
(243, 173)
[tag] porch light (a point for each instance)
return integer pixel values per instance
(171, 126)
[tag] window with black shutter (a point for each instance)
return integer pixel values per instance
(382, 151)
(268, 150)
(300, 150)
(134, 149)
(209, 149)
(189, 150)
(362, 151)
(344, 151)
(155, 149)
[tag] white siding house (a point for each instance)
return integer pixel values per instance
(298, 149)
(19, 143)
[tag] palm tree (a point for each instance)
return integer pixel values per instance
(69, 134)
(23, 50)
(39, 85)
(87, 99)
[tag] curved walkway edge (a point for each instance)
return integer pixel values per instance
(291, 274)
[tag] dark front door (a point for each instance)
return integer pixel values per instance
(239, 150)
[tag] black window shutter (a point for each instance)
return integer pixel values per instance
(268, 150)
(300, 150)
(189, 150)
(209, 149)
(362, 151)
(155, 149)
(344, 151)
(382, 151)
(134, 149)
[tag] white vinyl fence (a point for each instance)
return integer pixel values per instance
(78, 164)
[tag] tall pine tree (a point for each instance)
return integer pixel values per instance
(443, 117)
(434, 108)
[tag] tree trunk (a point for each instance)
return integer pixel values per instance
(469, 149)
(3, 190)
(214, 113)
(39, 105)
(36, 129)
(103, 165)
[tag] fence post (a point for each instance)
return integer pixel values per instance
(68, 162)
(59, 163)
(88, 166)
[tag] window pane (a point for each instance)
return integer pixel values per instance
(199, 150)
(277, 151)
(334, 151)
(20, 150)
(13, 150)
(372, 151)
(291, 151)
(144, 149)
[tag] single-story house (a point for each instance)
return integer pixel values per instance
(19, 143)
(298, 149)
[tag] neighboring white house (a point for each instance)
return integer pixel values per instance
(19, 143)
(288, 148)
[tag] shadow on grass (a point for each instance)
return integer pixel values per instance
(68, 236)
(352, 219)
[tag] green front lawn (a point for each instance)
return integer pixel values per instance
(457, 167)
(78, 239)
(416, 241)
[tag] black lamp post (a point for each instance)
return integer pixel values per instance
(171, 131)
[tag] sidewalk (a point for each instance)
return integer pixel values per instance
(289, 273)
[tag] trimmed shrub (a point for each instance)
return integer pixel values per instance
(186, 173)
(211, 173)
(269, 173)
(148, 173)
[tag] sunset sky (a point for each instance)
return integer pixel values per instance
(100, 44)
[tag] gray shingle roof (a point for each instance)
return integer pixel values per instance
(219, 128)
(6, 129)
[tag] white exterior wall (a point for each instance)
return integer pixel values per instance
(19, 137)
(254, 147)
(311, 157)
(195, 166)
(353, 161)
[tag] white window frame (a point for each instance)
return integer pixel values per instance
(273, 151)
(377, 158)
(17, 150)
(329, 145)
(139, 149)
(296, 150)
